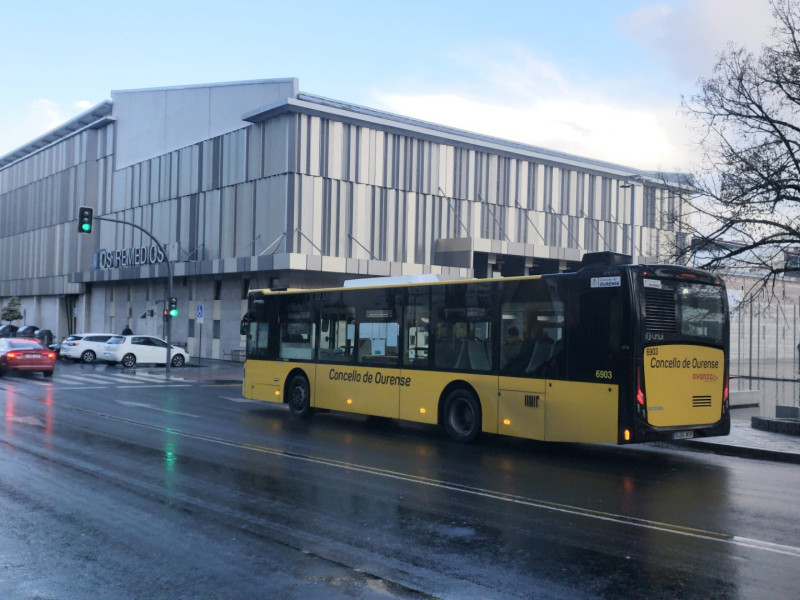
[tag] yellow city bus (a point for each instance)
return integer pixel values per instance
(610, 353)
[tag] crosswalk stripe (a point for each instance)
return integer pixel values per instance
(138, 378)
(83, 378)
(129, 380)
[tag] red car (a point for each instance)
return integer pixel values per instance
(21, 354)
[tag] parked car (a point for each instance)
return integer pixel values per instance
(24, 354)
(132, 349)
(45, 336)
(85, 346)
(8, 330)
(27, 331)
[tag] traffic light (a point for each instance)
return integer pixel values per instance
(85, 215)
(173, 307)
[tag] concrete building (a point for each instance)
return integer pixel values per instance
(255, 184)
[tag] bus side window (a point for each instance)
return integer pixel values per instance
(337, 335)
(417, 324)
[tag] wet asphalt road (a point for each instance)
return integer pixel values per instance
(121, 485)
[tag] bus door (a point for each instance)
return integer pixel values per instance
(417, 397)
(584, 405)
(531, 352)
(361, 341)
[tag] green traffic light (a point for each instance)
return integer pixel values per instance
(173, 312)
(86, 227)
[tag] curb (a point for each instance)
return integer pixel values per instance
(787, 426)
(739, 451)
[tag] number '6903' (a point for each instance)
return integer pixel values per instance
(601, 374)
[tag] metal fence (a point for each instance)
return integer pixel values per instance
(765, 332)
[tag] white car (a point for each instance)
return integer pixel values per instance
(85, 346)
(132, 349)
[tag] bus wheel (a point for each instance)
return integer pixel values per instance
(462, 416)
(299, 397)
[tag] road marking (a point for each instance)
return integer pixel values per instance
(153, 385)
(152, 407)
(242, 400)
(26, 421)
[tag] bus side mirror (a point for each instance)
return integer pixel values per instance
(243, 326)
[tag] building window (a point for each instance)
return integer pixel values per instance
(218, 289)
(245, 288)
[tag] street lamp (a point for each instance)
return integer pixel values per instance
(631, 196)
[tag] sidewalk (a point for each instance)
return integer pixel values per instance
(211, 371)
(744, 440)
(748, 442)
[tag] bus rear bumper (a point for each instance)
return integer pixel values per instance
(648, 433)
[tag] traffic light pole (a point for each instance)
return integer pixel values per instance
(169, 283)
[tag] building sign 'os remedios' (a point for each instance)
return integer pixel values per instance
(129, 257)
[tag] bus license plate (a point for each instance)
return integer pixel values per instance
(683, 435)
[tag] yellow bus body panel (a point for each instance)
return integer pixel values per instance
(259, 383)
(358, 389)
(515, 406)
(521, 410)
(582, 412)
(683, 385)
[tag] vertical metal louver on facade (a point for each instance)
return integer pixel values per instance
(659, 308)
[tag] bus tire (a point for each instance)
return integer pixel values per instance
(298, 397)
(461, 417)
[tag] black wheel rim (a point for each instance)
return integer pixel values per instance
(298, 398)
(462, 416)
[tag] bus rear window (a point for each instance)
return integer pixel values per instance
(702, 311)
(691, 310)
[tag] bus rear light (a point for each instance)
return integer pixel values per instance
(725, 392)
(639, 391)
(627, 435)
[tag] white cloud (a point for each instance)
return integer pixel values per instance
(525, 99)
(626, 135)
(690, 36)
(39, 117)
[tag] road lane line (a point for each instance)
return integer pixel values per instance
(152, 407)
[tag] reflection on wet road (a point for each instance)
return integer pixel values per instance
(113, 492)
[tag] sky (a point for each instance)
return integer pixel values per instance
(601, 79)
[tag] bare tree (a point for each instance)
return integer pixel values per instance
(746, 208)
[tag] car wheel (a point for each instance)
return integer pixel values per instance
(128, 361)
(299, 397)
(178, 360)
(462, 416)
(88, 356)
(47, 373)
